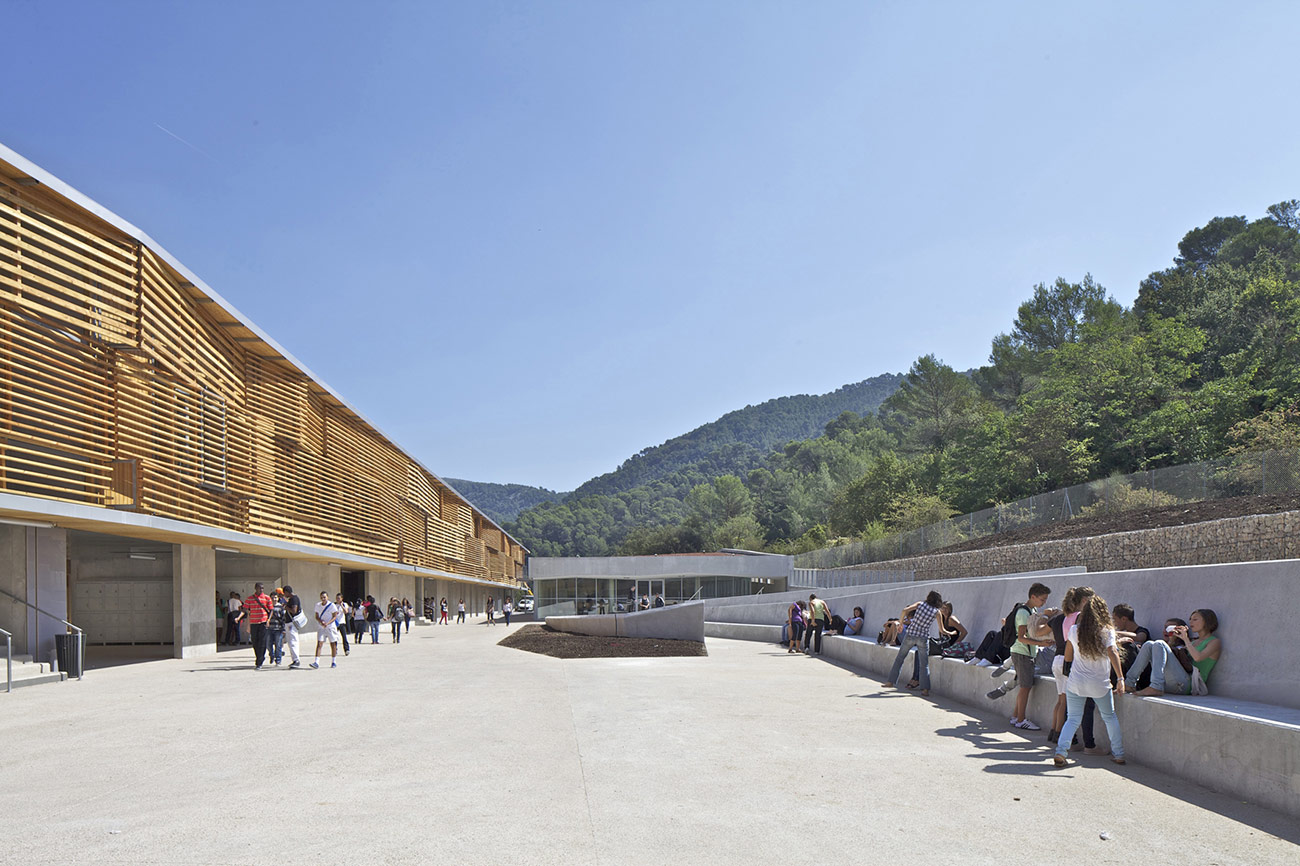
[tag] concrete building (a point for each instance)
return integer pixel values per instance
(158, 451)
(614, 584)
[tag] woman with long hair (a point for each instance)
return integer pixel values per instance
(442, 611)
(1167, 672)
(1090, 656)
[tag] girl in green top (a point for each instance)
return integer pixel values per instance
(1167, 673)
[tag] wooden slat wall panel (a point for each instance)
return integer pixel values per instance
(121, 385)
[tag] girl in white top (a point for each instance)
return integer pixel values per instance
(1091, 655)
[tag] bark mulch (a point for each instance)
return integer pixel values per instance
(1146, 518)
(563, 645)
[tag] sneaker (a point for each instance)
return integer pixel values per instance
(334, 664)
(1026, 725)
(1000, 670)
(983, 663)
(295, 664)
(257, 667)
(997, 693)
(1094, 750)
(315, 664)
(347, 653)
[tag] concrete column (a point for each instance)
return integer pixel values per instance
(310, 579)
(47, 564)
(194, 587)
(13, 580)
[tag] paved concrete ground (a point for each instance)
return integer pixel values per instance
(450, 749)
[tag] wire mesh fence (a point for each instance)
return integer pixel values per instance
(1250, 474)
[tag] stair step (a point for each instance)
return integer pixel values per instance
(33, 679)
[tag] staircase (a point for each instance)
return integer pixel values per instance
(30, 673)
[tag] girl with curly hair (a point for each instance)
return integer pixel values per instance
(1090, 656)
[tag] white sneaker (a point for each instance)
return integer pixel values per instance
(983, 663)
(1026, 725)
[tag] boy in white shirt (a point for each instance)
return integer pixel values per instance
(326, 630)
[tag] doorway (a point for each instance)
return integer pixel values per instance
(353, 585)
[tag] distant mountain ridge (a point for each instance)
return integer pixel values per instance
(503, 502)
(764, 427)
(735, 443)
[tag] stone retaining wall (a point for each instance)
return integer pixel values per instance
(1254, 538)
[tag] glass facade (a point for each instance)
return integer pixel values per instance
(565, 596)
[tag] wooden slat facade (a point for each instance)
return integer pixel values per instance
(123, 385)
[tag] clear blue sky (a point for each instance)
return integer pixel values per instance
(529, 239)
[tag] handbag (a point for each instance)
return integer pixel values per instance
(1197, 685)
(300, 620)
(935, 646)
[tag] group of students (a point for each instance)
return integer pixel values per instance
(276, 619)
(435, 609)
(1096, 653)
(808, 621)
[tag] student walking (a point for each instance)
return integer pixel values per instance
(292, 610)
(460, 611)
(396, 614)
(257, 610)
(327, 614)
(490, 619)
(1091, 656)
(373, 617)
(407, 611)
(275, 628)
(442, 611)
(341, 621)
(507, 609)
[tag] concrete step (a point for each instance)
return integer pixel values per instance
(29, 673)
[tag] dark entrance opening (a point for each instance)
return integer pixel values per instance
(354, 585)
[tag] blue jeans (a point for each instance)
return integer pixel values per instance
(1074, 705)
(922, 647)
(374, 633)
(276, 648)
(1167, 674)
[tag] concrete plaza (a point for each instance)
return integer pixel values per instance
(450, 749)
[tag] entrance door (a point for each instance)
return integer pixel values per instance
(353, 585)
(649, 589)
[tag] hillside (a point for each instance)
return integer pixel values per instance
(503, 502)
(763, 428)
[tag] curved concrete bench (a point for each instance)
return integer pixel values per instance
(676, 622)
(1246, 749)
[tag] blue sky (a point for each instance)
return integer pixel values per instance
(527, 240)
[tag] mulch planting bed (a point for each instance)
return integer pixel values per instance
(563, 645)
(1146, 518)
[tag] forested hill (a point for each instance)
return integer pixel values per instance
(762, 428)
(503, 502)
(1205, 363)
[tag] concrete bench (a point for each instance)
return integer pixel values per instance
(1247, 750)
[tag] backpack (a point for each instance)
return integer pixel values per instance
(1009, 632)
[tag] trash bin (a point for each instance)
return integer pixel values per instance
(67, 649)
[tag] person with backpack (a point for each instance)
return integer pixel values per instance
(373, 617)
(923, 624)
(396, 614)
(275, 628)
(1090, 657)
(1015, 633)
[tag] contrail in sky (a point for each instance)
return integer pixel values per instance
(184, 142)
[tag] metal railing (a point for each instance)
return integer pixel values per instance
(1248, 474)
(9, 660)
(81, 634)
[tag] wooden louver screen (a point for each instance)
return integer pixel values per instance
(123, 386)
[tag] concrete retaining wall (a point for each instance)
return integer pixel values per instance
(1245, 749)
(675, 622)
(1254, 538)
(1254, 601)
